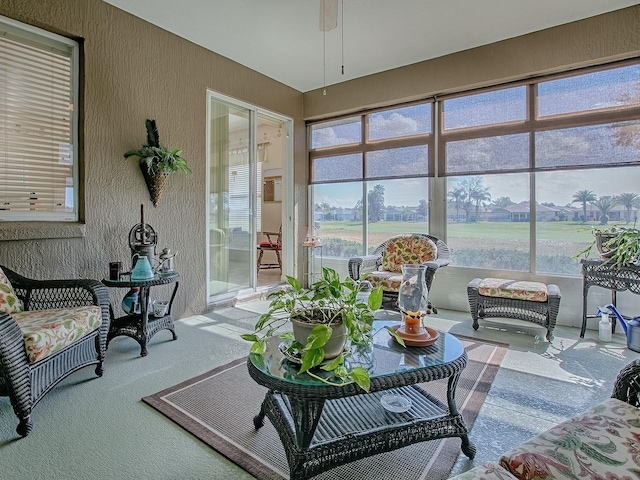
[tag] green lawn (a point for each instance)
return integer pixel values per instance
(550, 231)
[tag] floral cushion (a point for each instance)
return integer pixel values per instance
(9, 302)
(486, 471)
(389, 281)
(407, 249)
(518, 290)
(602, 443)
(47, 331)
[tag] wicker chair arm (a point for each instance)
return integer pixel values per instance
(437, 263)
(14, 365)
(46, 294)
(553, 291)
(627, 385)
(360, 265)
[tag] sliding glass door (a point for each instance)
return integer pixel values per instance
(240, 138)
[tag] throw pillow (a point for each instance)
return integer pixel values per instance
(410, 249)
(9, 302)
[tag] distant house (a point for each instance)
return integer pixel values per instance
(407, 214)
(521, 212)
(616, 214)
(343, 214)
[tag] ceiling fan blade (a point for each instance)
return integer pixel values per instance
(328, 15)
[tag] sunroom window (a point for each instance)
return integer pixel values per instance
(38, 124)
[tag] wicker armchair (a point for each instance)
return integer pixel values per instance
(28, 373)
(360, 266)
(627, 384)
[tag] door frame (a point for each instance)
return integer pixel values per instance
(287, 193)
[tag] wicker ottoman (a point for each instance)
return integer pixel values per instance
(530, 301)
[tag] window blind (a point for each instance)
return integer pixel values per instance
(37, 158)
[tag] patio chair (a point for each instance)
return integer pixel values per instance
(48, 330)
(271, 245)
(382, 266)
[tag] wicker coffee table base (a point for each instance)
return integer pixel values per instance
(356, 427)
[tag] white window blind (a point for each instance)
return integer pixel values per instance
(38, 166)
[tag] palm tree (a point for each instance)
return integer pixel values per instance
(628, 201)
(357, 210)
(480, 195)
(423, 208)
(457, 196)
(376, 207)
(604, 205)
(584, 197)
(476, 193)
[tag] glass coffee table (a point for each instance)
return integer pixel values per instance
(322, 426)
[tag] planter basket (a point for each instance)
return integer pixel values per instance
(155, 183)
(601, 239)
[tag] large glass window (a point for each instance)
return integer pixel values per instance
(529, 169)
(38, 124)
(488, 221)
(368, 187)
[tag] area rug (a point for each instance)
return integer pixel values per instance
(218, 407)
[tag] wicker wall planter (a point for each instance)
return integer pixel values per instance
(155, 183)
(156, 162)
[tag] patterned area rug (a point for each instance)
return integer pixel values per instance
(218, 407)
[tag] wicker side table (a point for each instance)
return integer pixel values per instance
(143, 326)
(596, 272)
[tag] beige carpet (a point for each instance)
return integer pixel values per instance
(218, 407)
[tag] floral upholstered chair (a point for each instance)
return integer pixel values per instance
(383, 266)
(48, 330)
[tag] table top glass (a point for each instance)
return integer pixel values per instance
(384, 358)
(125, 280)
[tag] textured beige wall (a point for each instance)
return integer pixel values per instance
(603, 38)
(133, 71)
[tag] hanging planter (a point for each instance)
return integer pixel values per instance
(155, 183)
(157, 162)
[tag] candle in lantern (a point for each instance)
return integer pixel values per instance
(412, 322)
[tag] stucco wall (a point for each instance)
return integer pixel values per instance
(134, 71)
(603, 38)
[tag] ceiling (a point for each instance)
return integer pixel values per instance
(282, 38)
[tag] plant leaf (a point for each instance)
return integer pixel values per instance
(318, 337)
(333, 364)
(361, 377)
(375, 299)
(311, 358)
(395, 335)
(259, 347)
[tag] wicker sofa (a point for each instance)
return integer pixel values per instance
(382, 266)
(601, 443)
(48, 330)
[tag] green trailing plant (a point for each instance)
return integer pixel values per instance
(624, 248)
(327, 303)
(619, 246)
(157, 158)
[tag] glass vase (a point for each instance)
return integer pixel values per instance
(413, 297)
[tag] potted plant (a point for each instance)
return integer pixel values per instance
(618, 246)
(157, 161)
(330, 311)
